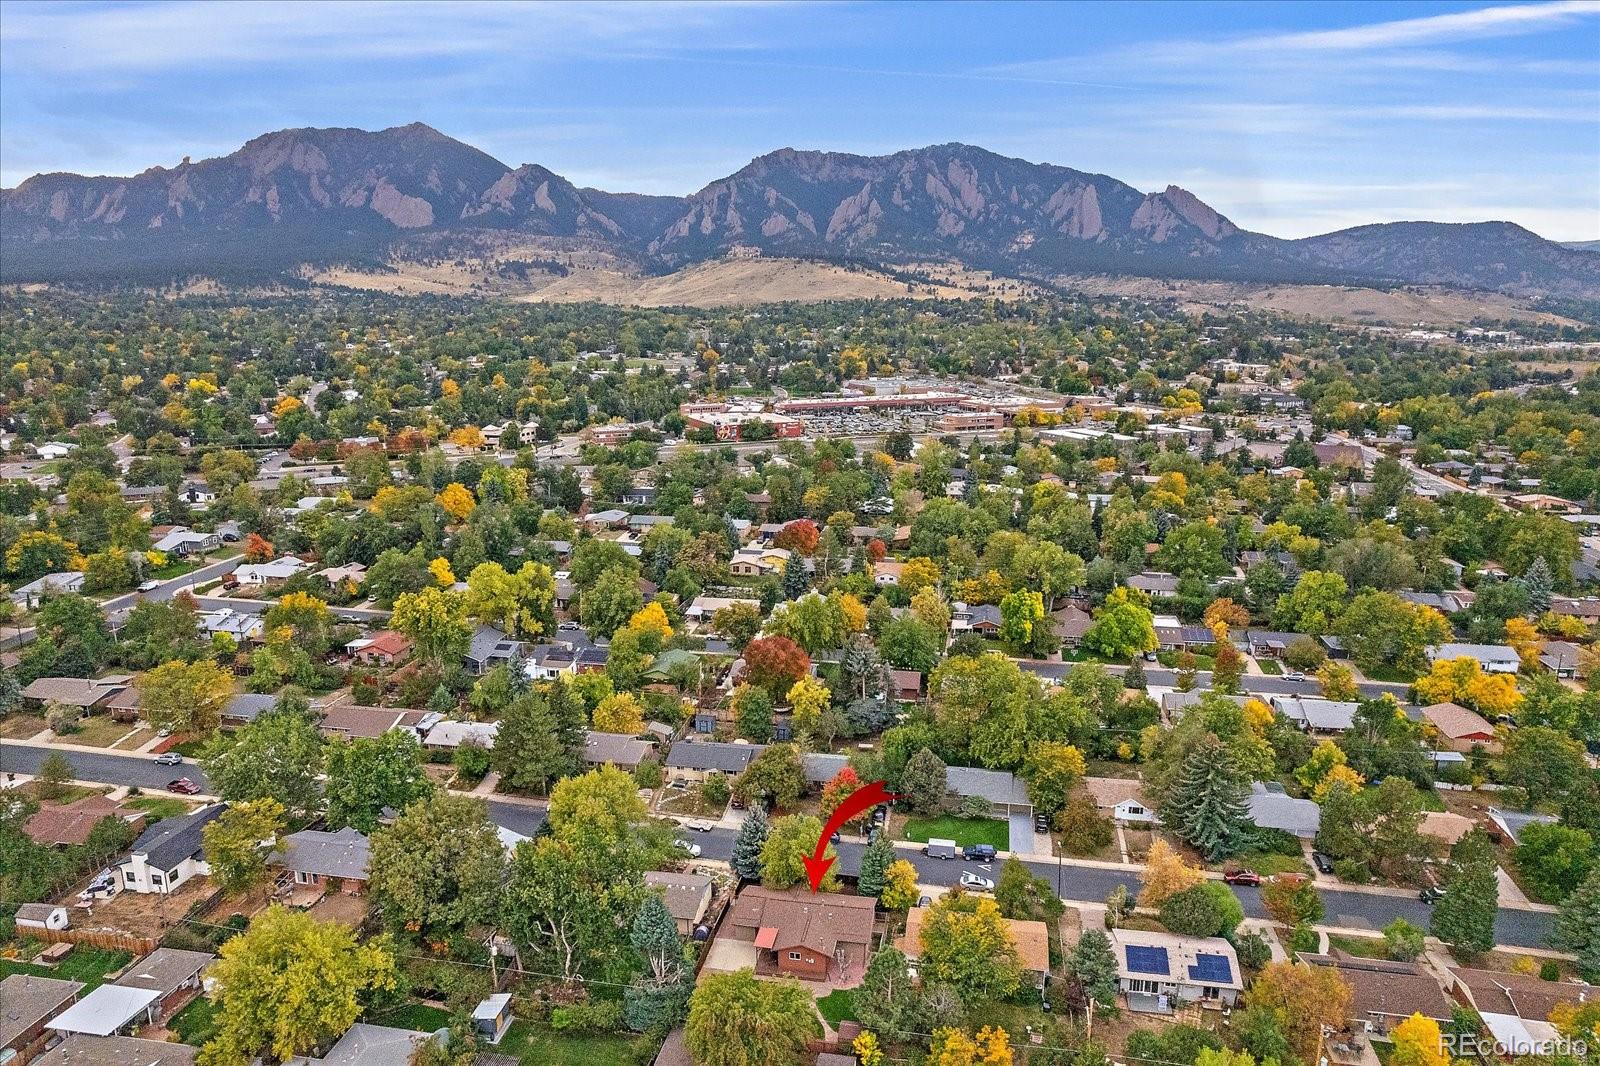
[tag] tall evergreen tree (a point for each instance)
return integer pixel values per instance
(1207, 805)
(1578, 926)
(887, 995)
(796, 582)
(655, 937)
(1540, 583)
(1133, 678)
(746, 857)
(874, 861)
(1094, 964)
(1464, 918)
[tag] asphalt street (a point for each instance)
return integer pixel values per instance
(1083, 884)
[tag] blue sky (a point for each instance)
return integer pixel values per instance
(1290, 118)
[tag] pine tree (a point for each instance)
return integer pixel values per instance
(1133, 678)
(1578, 926)
(796, 582)
(746, 857)
(655, 937)
(1095, 966)
(1464, 918)
(1539, 582)
(1207, 805)
(887, 995)
(874, 861)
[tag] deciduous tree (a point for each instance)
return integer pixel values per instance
(736, 1020)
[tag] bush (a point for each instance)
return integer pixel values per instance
(1083, 830)
(1403, 941)
(1353, 871)
(1549, 971)
(975, 807)
(471, 761)
(604, 1016)
(1253, 950)
(1304, 938)
(1277, 842)
(1305, 654)
(1206, 909)
(714, 789)
(649, 774)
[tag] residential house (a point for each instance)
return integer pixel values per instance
(1585, 609)
(490, 647)
(32, 595)
(1460, 729)
(906, 685)
(1160, 971)
(1154, 583)
(317, 858)
(451, 734)
(80, 1049)
(1560, 657)
(1173, 635)
(109, 1010)
(1071, 623)
(1385, 993)
(759, 562)
(1120, 798)
(349, 573)
(1315, 715)
(1032, 940)
(353, 721)
(254, 574)
(1444, 826)
(688, 896)
(1006, 794)
(183, 541)
(169, 853)
(1272, 808)
(243, 628)
(1516, 1008)
(984, 619)
(621, 750)
(611, 518)
(886, 572)
(1512, 823)
(689, 761)
(1494, 658)
(817, 936)
(86, 694)
(70, 824)
(1268, 644)
(364, 1044)
(386, 648)
(701, 610)
(246, 707)
(174, 976)
(26, 1003)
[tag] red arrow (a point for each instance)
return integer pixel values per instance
(867, 796)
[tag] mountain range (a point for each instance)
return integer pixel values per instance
(302, 197)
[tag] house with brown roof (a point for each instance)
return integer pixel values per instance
(1446, 827)
(26, 1003)
(70, 824)
(1121, 798)
(1515, 1008)
(353, 721)
(1385, 993)
(1460, 729)
(818, 936)
(1031, 939)
(387, 648)
(86, 694)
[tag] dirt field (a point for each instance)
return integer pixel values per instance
(139, 913)
(1399, 307)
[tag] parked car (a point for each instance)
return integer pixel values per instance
(1294, 675)
(149, 586)
(183, 787)
(925, 901)
(568, 627)
(973, 883)
(701, 826)
(1041, 823)
(1241, 877)
(835, 838)
(978, 853)
(689, 847)
(1322, 862)
(941, 849)
(737, 803)
(1431, 894)
(169, 758)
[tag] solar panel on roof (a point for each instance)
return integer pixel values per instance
(1147, 960)
(1212, 968)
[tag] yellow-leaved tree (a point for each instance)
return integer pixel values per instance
(1166, 873)
(457, 501)
(989, 1046)
(620, 712)
(1417, 1042)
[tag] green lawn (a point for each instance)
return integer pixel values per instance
(1269, 666)
(963, 831)
(418, 1016)
(99, 731)
(1365, 947)
(1268, 863)
(159, 807)
(196, 1023)
(1389, 673)
(838, 1006)
(190, 749)
(89, 965)
(536, 1045)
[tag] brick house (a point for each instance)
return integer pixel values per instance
(815, 936)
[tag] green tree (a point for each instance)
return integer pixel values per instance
(238, 841)
(1207, 807)
(437, 869)
(1094, 965)
(793, 838)
(1578, 926)
(289, 984)
(736, 1020)
(521, 604)
(55, 773)
(1051, 770)
(1121, 630)
(1026, 897)
(777, 775)
(748, 843)
(366, 775)
(888, 997)
(1403, 941)
(874, 865)
(539, 739)
(610, 602)
(923, 783)
(1207, 909)
(1292, 899)
(1544, 763)
(277, 756)
(1464, 918)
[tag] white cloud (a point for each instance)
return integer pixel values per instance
(1431, 29)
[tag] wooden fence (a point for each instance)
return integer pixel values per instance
(108, 939)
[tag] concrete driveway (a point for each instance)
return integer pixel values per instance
(730, 955)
